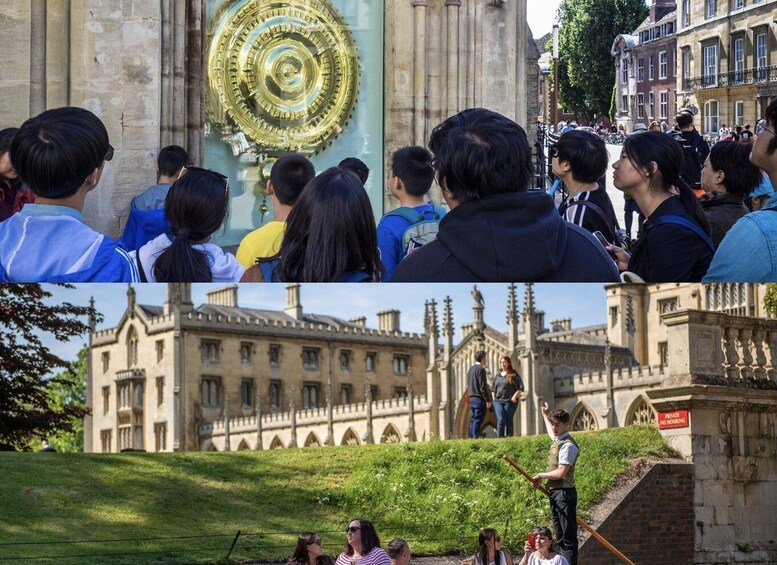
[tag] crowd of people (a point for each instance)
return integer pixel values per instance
(704, 215)
(363, 548)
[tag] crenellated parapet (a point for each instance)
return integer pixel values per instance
(596, 381)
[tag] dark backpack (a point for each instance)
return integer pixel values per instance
(423, 226)
(692, 161)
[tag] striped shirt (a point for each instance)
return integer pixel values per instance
(376, 556)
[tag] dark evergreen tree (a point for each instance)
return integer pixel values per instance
(27, 409)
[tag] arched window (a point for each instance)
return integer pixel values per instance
(390, 435)
(583, 420)
(312, 440)
(711, 123)
(276, 443)
(641, 413)
(132, 348)
(350, 438)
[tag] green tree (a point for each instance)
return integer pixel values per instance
(587, 70)
(70, 391)
(770, 299)
(27, 408)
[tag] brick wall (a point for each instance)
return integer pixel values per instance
(653, 523)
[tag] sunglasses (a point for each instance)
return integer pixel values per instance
(760, 127)
(352, 529)
(315, 542)
(218, 175)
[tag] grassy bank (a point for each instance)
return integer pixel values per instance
(187, 507)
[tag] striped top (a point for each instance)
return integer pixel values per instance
(376, 556)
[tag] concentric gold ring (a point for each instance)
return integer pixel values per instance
(286, 72)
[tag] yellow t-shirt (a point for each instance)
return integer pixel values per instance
(262, 242)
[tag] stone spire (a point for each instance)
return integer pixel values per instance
(447, 328)
(529, 323)
(130, 301)
(477, 309)
(512, 318)
(432, 331)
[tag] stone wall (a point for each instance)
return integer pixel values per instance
(644, 531)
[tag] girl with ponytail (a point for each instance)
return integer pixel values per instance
(674, 245)
(195, 207)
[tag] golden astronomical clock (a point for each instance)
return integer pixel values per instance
(282, 74)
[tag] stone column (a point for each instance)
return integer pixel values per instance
(447, 400)
(259, 442)
(227, 442)
(419, 75)
(432, 371)
(368, 436)
(452, 77)
(726, 425)
(330, 399)
(411, 408)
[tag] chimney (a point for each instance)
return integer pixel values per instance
(224, 297)
(388, 321)
(293, 305)
(361, 321)
(660, 8)
(179, 298)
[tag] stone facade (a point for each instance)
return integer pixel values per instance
(727, 55)
(139, 66)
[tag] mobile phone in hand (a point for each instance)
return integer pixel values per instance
(532, 540)
(603, 240)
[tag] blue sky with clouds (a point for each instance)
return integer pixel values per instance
(584, 303)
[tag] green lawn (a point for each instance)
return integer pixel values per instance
(187, 507)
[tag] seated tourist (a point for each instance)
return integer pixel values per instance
(541, 551)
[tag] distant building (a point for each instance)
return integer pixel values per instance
(727, 55)
(221, 377)
(646, 69)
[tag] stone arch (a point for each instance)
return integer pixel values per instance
(276, 443)
(390, 435)
(243, 446)
(350, 438)
(312, 440)
(463, 416)
(641, 412)
(132, 347)
(583, 419)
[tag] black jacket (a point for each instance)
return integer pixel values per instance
(669, 252)
(507, 238)
(722, 210)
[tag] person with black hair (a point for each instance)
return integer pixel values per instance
(60, 155)
(747, 253)
(478, 394)
(195, 206)
(288, 176)
(727, 177)
(498, 230)
(695, 151)
(490, 550)
(362, 543)
(14, 194)
(308, 549)
(415, 222)
(330, 236)
(580, 159)
(357, 167)
(540, 552)
(146, 218)
(674, 245)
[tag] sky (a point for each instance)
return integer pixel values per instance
(542, 15)
(584, 303)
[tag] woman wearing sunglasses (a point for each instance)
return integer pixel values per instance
(195, 207)
(362, 544)
(308, 549)
(490, 550)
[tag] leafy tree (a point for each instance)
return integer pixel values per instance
(65, 391)
(27, 410)
(770, 299)
(586, 70)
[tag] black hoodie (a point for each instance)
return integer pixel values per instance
(516, 237)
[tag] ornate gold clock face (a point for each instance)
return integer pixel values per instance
(285, 72)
